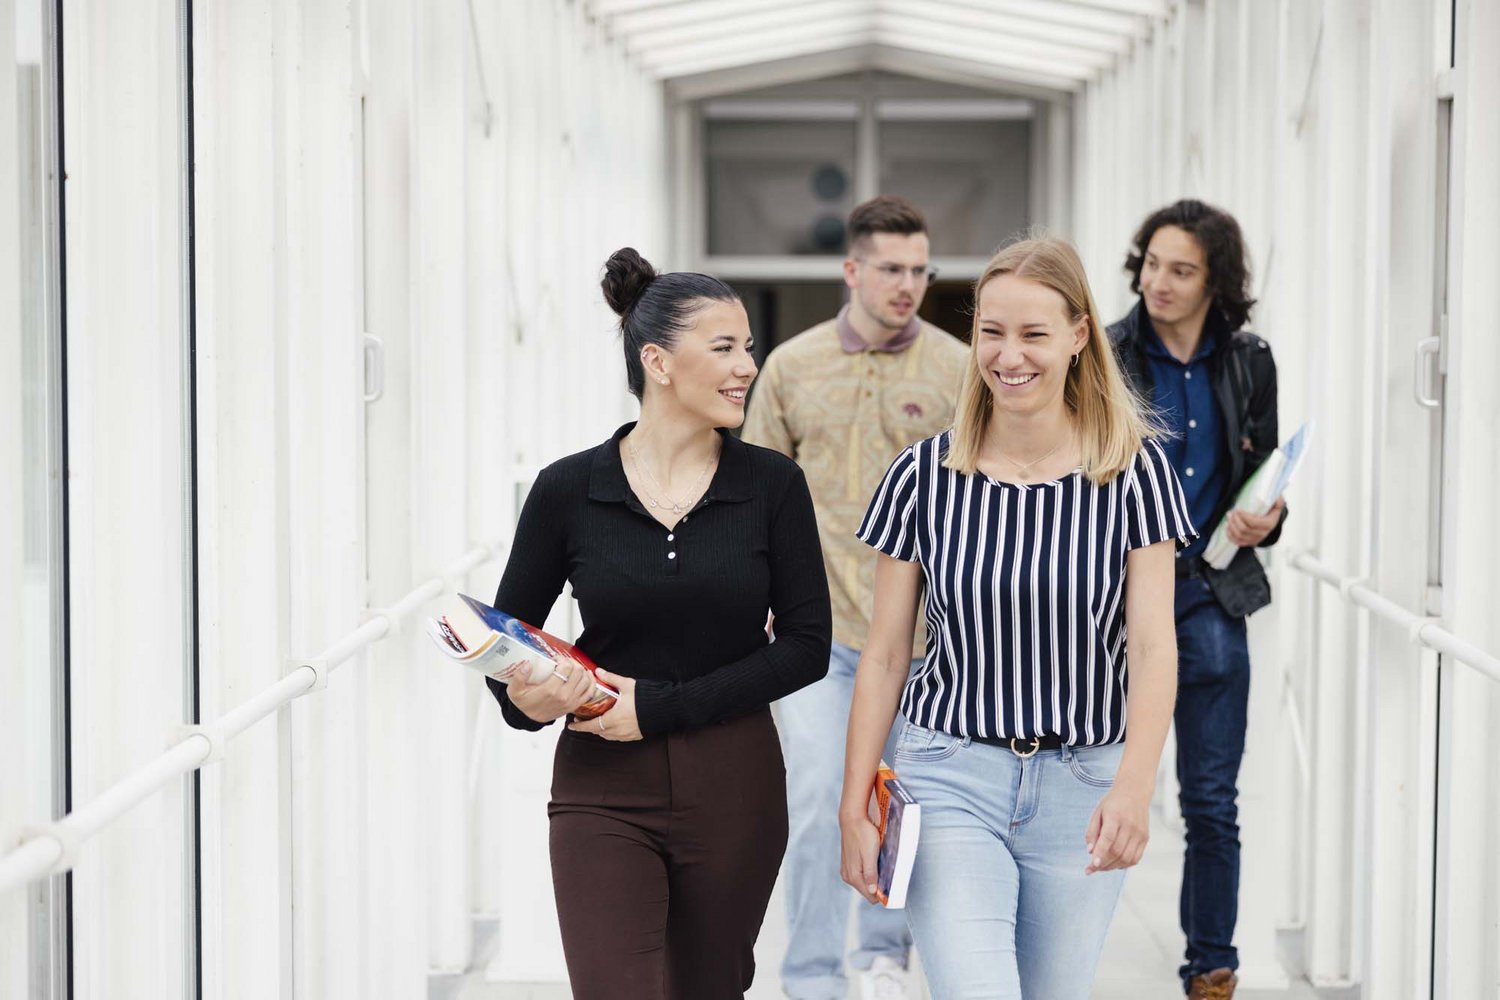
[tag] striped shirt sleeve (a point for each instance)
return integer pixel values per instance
(889, 524)
(1155, 507)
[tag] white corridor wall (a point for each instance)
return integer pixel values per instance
(1368, 802)
(447, 178)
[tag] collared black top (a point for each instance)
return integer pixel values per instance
(683, 610)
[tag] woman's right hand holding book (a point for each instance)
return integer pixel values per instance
(555, 696)
(861, 849)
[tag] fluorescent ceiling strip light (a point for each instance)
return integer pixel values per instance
(954, 110)
(730, 109)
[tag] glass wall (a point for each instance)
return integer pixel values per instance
(31, 922)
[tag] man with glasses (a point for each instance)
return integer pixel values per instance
(843, 399)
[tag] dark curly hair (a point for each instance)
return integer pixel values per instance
(1223, 245)
(654, 307)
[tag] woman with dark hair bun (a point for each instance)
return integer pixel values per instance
(668, 812)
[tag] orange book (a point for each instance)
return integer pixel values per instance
(898, 816)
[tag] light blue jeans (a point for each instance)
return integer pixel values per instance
(813, 724)
(999, 903)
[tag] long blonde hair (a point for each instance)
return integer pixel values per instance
(1112, 422)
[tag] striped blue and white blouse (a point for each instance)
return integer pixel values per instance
(1025, 590)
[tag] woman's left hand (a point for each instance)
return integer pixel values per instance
(1119, 829)
(619, 724)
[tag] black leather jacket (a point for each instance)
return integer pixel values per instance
(1244, 384)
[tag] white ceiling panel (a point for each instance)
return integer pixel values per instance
(730, 46)
(731, 26)
(770, 52)
(1057, 44)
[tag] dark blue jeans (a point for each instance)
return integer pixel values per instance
(1213, 692)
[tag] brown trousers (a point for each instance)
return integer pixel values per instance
(664, 853)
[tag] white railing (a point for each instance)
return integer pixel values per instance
(52, 848)
(1420, 629)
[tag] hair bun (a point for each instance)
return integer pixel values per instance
(626, 275)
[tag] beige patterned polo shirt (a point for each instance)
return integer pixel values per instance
(844, 415)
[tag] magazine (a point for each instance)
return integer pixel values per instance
(1260, 491)
(502, 647)
(898, 816)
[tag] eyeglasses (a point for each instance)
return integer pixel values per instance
(893, 273)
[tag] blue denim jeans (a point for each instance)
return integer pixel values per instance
(1213, 693)
(999, 903)
(813, 723)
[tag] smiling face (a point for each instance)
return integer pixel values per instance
(712, 366)
(1024, 343)
(1174, 278)
(887, 277)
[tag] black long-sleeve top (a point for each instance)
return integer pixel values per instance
(681, 610)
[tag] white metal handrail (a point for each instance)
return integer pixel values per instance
(53, 847)
(1426, 631)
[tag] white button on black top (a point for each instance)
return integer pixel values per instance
(671, 538)
(1190, 472)
(671, 555)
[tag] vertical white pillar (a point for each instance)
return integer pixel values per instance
(1469, 809)
(124, 273)
(243, 558)
(440, 431)
(396, 775)
(321, 439)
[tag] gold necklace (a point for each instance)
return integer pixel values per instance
(1024, 469)
(677, 506)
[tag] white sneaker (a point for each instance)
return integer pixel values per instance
(885, 979)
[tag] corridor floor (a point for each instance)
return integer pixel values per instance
(1139, 960)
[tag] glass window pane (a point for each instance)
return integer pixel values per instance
(778, 187)
(971, 179)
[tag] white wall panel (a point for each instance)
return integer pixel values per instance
(1469, 912)
(125, 411)
(243, 627)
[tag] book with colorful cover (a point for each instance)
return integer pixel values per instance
(898, 817)
(1260, 491)
(503, 647)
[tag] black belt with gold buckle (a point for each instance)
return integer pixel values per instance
(1024, 746)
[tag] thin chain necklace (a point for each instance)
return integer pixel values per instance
(1023, 469)
(676, 506)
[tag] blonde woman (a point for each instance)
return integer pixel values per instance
(1043, 528)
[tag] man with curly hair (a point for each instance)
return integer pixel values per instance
(1213, 384)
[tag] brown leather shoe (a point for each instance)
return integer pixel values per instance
(1216, 985)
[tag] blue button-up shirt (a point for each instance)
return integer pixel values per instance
(1184, 398)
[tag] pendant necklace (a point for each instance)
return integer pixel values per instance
(1024, 469)
(676, 506)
